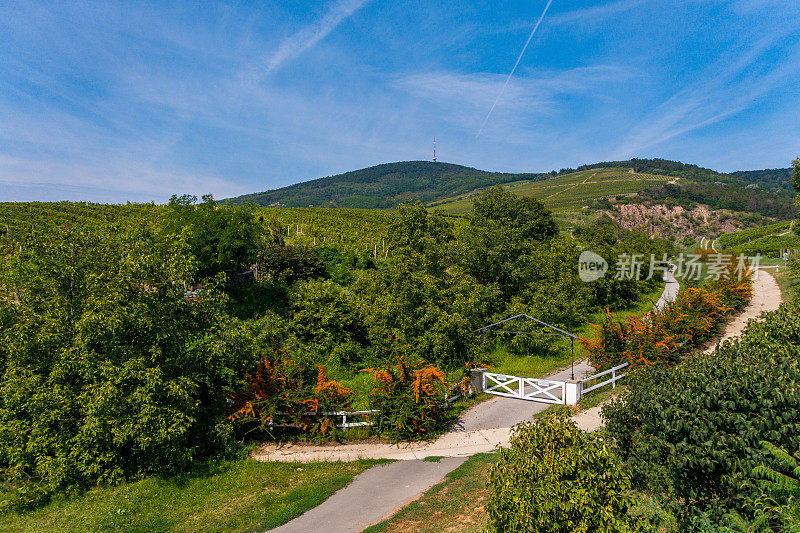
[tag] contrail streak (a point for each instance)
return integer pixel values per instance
(515, 67)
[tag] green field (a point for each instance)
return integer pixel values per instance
(568, 192)
(240, 495)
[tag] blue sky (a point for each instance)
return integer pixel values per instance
(135, 101)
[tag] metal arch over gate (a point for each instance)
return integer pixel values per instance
(531, 389)
(558, 333)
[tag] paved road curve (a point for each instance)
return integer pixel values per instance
(671, 288)
(379, 492)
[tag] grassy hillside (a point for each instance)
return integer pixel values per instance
(384, 186)
(766, 240)
(448, 188)
(569, 192)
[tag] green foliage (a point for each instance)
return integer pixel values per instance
(354, 232)
(784, 482)
(694, 430)
(606, 238)
(220, 238)
(525, 218)
(289, 263)
(421, 239)
(328, 323)
(770, 178)
(109, 372)
(502, 229)
(554, 477)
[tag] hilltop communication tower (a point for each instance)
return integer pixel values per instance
(434, 149)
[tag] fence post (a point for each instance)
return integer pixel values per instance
(613, 378)
(477, 382)
(573, 389)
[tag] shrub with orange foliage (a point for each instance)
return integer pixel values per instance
(276, 395)
(662, 336)
(409, 397)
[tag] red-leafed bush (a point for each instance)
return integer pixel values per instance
(663, 335)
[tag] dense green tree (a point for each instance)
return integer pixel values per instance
(420, 238)
(109, 371)
(526, 218)
(554, 477)
(221, 238)
(326, 319)
(287, 264)
(502, 229)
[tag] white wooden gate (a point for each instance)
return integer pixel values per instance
(531, 389)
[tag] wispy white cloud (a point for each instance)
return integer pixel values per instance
(597, 12)
(729, 86)
(514, 68)
(461, 98)
(304, 39)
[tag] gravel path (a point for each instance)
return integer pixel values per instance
(766, 297)
(671, 287)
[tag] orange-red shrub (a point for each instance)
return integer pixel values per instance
(276, 395)
(409, 398)
(662, 336)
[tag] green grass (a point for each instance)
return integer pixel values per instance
(240, 495)
(596, 397)
(455, 504)
(787, 282)
(569, 192)
(504, 362)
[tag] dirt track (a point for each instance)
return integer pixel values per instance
(766, 297)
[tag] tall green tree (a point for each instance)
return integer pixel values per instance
(502, 229)
(221, 237)
(108, 370)
(421, 238)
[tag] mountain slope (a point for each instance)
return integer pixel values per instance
(385, 186)
(449, 188)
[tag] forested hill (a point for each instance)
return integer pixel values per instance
(771, 178)
(384, 186)
(387, 185)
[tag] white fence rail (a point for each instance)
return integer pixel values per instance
(344, 424)
(615, 376)
(535, 390)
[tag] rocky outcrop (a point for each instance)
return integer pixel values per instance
(677, 222)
